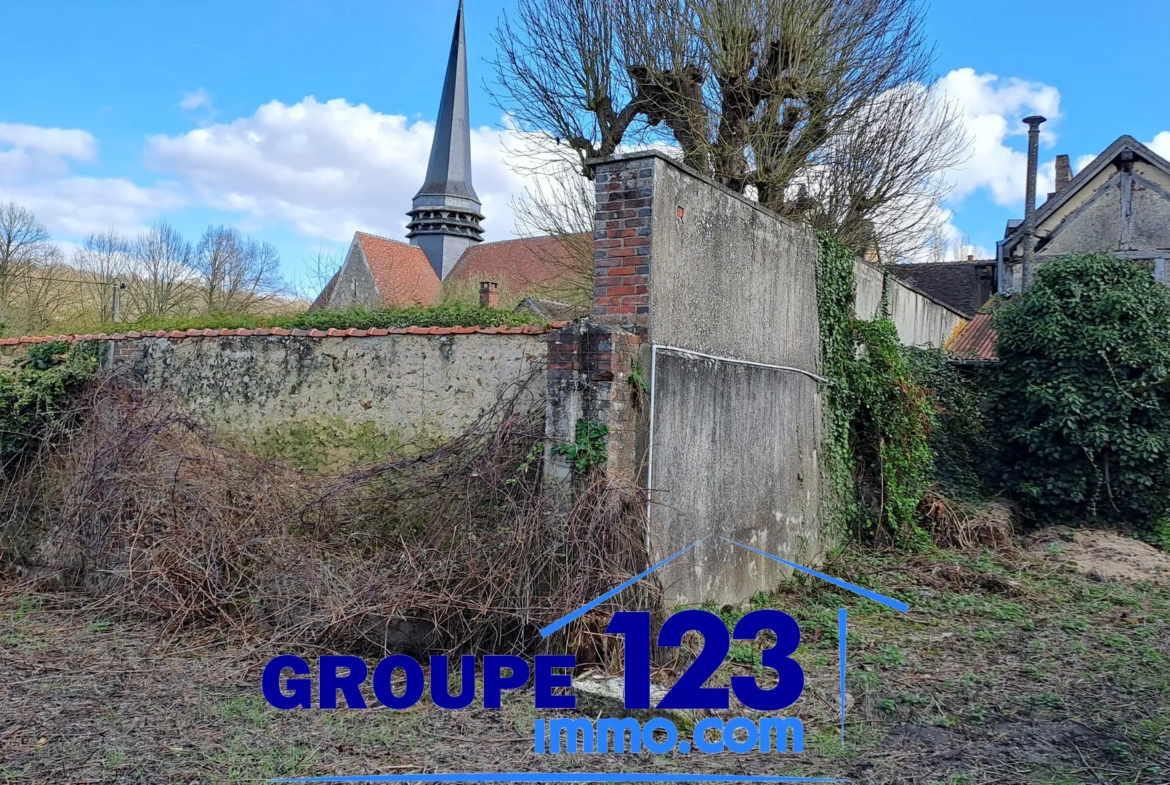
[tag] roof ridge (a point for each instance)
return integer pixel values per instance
(1083, 177)
(526, 239)
(387, 239)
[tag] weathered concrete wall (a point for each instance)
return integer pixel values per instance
(921, 321)
(407, 389)
(868, 287)
(734, 447)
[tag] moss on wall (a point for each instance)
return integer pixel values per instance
(331, 443)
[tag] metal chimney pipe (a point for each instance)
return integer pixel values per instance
(1034, 123)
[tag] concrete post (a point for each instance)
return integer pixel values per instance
(1029, 227)
(116, 301)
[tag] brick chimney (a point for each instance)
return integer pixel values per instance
(1063, 172)
(970, 257)
(489, 294)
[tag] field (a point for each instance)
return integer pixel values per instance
(1012, 666)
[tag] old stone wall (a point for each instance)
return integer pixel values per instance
(407, 389)
(689, 266)
(921, 321)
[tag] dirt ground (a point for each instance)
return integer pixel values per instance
(1011, 667)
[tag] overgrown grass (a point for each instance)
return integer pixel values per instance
(1008, 668)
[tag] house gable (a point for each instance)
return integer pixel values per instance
(352, 286)
(1119, 203)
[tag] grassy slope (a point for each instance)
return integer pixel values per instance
(1008, 669)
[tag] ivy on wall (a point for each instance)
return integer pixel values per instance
(877, 459)
(835, 303)
(34, 397)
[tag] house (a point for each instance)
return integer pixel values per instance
(963, 286)
(445, 233)
(1119, 203)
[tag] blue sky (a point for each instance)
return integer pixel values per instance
(120, 113)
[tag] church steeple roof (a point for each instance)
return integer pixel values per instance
(446, 212)
(449, 170)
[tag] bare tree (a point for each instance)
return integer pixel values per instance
(161, 261)
(24, 246)
(319, 270)
(560, 204)
(762, 95)
(105, 257)
(236, 272)
(45, 292)
(876, 185)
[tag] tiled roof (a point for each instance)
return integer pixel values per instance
(552, 309)
(401, 271)
(975, 342)
(373, 332)
(955, 284)
(527, 264)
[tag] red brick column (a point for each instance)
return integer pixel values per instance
(621, 242)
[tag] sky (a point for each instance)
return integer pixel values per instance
(301, 121)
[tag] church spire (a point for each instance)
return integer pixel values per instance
(445, 215)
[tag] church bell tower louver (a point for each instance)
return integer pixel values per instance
(445, 214)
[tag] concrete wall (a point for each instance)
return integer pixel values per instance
(735, 447)
(920, 320)
(410, 389)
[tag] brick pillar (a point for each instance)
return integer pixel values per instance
(621, 242)
(589, 366)
(590, 363)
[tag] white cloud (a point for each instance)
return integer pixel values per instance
(329, 168)
(992, 112)
(195, 99)
(1082, 161)
(1161, 144)
(36, 172)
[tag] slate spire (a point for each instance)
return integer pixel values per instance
(445, 215)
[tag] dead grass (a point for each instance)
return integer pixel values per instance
(1009, 668)
(451, 549)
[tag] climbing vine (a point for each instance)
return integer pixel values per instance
(835, 301)
(34, 397)
(877, 460)
(1081, 403)
(891, 417)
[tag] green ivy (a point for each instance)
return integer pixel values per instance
(1081, 403)
(892, 417)
(834, 276)
(449, 315)
(587, 452)
(960, 441)
(34, 397)
(877, 462)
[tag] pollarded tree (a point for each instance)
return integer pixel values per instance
(1080, 403)
(805, 103)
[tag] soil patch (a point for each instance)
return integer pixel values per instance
(1104, 555)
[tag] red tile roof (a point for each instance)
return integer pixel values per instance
(527, 329)
(527, 265)
(401, 271)
(975, 342)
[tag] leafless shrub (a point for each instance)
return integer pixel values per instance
(454, 549)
